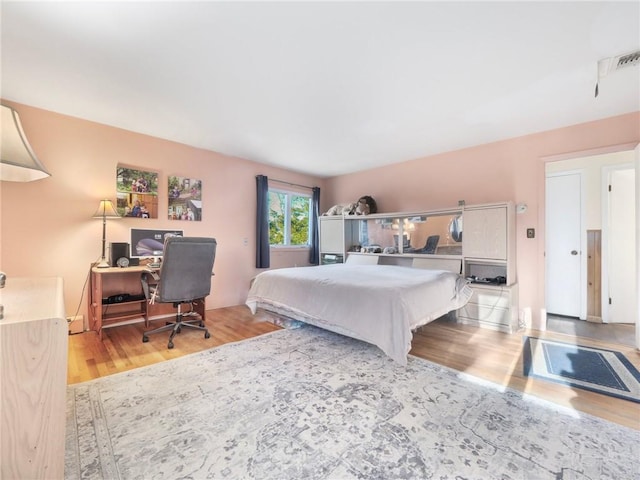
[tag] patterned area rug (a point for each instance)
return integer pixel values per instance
(310, 404)
(595, 369)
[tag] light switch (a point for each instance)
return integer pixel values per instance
(531, 232)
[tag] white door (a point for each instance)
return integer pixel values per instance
(621, 241)
(563, 271)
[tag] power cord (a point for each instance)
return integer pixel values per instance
(84, 287)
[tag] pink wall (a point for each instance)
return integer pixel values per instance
(47, 229)
(507, 170)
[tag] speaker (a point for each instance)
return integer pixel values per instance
(116, 251)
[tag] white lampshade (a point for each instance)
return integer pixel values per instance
(18, 162)
(106, 210)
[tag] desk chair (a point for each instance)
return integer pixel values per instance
(432, 244)
(185, 276)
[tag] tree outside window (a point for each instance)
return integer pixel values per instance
(289, 215)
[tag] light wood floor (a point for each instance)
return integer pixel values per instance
(482, 353)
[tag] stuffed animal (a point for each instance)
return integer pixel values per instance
(348, 209)
(366, 205)
(362, 208)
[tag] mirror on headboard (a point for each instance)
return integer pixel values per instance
(432, 234)
(437, 233)
(455, 228)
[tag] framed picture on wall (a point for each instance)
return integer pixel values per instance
(185, 198)
(137, 192)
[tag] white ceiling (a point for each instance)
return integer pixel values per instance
(324, 88)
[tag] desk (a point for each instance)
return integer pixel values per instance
(33, 373)
(115, 281)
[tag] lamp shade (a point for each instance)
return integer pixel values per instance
(106, 210)
(18, 162)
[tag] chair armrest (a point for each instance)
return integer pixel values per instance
(149, 280)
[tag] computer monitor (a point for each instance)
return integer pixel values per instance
(150, 243)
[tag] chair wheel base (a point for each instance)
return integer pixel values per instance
(175, 329)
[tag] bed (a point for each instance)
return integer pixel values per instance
(379, 304)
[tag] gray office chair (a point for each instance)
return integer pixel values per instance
(432, 244)
(185, 276)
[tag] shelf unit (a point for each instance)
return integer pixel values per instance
(335, 235)
(489, 241)
(487, 250)
(347, 235)
(126, 311)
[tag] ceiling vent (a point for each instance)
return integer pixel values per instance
(628, 60)
(613, 64)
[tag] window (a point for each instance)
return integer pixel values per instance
(289, 215)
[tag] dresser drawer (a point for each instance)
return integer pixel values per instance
(482, 313)
(491, 297)
(491, 307)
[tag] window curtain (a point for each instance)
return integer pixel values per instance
(262, 222)
(314, 240)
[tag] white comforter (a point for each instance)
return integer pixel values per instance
(380, 304)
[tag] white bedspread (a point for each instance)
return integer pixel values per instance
(380, 304)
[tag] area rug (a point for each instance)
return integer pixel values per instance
(595, 369)
(310, 404)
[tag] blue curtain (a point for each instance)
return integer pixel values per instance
(314, 240)
(262, 222)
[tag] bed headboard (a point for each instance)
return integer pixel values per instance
(355, 259)
(451, 264)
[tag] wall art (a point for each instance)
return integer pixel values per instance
(185, 199)
(137, 192)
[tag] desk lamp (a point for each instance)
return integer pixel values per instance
(105, 210)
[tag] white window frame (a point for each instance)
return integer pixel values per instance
(287, 218)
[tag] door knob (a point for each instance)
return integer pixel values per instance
(574, 252)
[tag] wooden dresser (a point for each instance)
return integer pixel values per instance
(33, 378)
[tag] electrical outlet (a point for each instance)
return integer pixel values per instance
(531, 232)
(76, 324)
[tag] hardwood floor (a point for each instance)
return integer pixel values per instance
(497, 357)
(618, 333)
(483, 353)
(122, 348)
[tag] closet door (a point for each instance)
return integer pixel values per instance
(621, 241)
(563, 240)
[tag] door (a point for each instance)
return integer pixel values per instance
(621, 247)
(563, 259)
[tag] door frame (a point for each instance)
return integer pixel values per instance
(633, 146)
(583, 240)
(605, 176)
